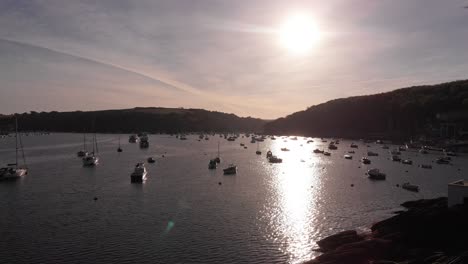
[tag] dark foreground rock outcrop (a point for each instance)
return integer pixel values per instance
(428, 232)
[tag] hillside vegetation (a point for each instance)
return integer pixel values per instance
(402, 113)
(164, 120)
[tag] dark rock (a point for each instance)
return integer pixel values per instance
(340, 239)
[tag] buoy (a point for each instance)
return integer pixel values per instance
(352, 185)
(219, 183)
(163, 156)
(398, 185)
(95, 198)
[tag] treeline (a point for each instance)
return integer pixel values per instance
(153, 120)
(403, 113)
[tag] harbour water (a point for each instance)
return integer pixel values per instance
(185, 213)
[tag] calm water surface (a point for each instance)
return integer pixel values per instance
(266, 213)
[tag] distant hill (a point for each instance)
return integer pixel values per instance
(402, 113)
(151, 119)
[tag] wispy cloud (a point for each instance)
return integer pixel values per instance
(221, 55)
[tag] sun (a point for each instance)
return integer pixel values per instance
(298, 33)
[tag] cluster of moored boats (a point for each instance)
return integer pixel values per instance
(91, 159)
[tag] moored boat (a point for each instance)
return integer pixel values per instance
(14, 171)
(274, 159)
(375, 174)
(410, 187)
(407, 162)
(365, 160)
(231, 169)
(212, 164)
(139, 173)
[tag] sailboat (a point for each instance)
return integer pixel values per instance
(13, 170)
(83, 153)
(217, 159)
(258, 152)
(119, 149)
(92, 159)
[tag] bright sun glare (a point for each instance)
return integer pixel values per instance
(298, 33)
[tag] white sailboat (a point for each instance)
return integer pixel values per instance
(83, 153)
(92, 159)
(217, 159)
(13, 170)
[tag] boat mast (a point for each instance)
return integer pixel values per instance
(84, 140)
(95, 142)
(16, 141)
(218, 149)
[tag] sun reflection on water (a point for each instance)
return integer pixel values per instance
(296, 186)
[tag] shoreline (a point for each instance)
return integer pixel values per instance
(428, 231)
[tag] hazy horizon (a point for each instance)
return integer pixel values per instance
(221, 55)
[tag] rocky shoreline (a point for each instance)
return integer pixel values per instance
(427, 232)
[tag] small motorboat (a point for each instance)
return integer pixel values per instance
(365, 160)
(231, 169)
(423, 151)
(348, 156)
(402, 148)
(353, 145)
(274, 159)
(132, 139)
(425, 166)
(258, 152)
(407, 162)
(269, 154)
(318, 151)
(410, 187)
(212, 164)
(139, 173)
(82, 153)
(375, 174)
(385, 147)
(242, 144)
(351, 152)
(395, 152)
(151, 160)
(284, 149)
(332, 147)
(450, 154)
(443, 160)
(372, 154)
(144, 144)
(396, 158)
(326, 153)
(119, 149)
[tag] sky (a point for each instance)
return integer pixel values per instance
(221, 55)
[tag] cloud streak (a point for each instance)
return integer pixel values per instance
(223, 55)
